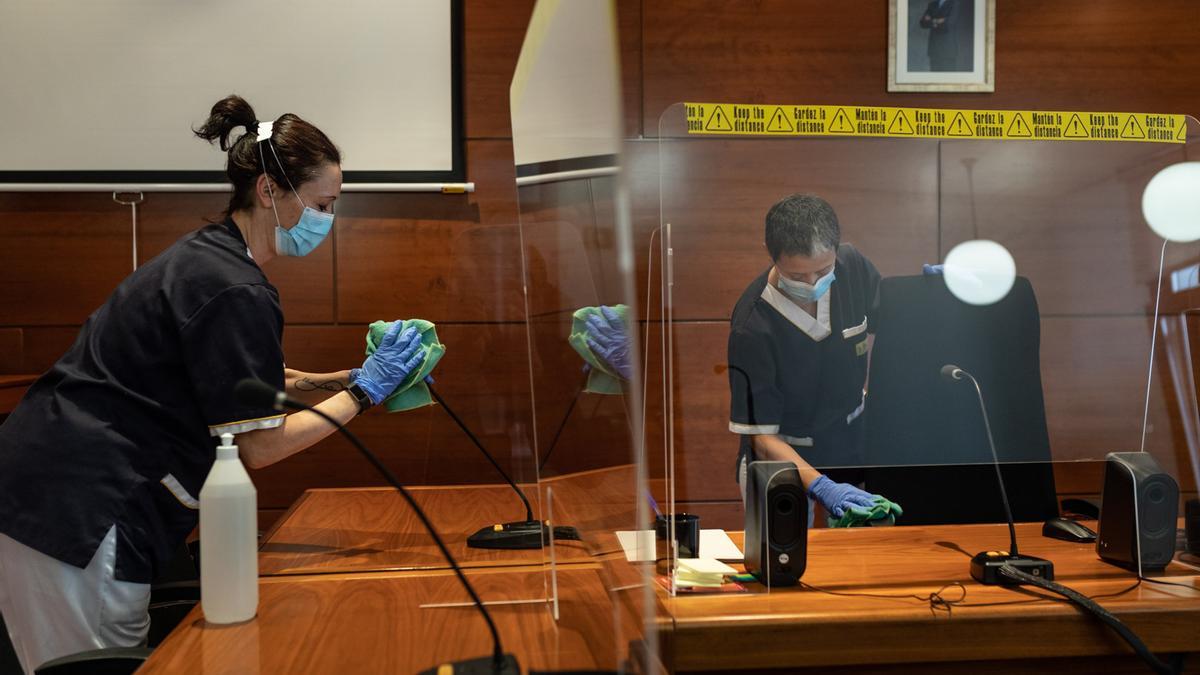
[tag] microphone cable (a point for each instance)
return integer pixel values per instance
(1107, 618)
(251, 389)
(1162, 259)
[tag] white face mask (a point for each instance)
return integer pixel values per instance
(804, 292)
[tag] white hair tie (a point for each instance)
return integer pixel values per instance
(265, 130)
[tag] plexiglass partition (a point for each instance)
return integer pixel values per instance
(582, 323)
(482, 378)
(855, 382)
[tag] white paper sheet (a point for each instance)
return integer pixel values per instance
(639, 545)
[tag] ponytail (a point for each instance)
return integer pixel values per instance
(302, 148)
(226, 115)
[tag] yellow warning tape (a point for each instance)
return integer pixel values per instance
(851, 120)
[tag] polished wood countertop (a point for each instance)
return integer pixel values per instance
(864, 599)
(346, 572)
(373, 529)
(376, 623)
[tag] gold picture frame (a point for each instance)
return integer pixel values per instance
(941, 45)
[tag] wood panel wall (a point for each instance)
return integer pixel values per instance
(456, 259)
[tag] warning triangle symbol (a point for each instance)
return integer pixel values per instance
(1019, 128)
(1182, 135)
(1132, 129)
(718, 121)
(1075, 128)
(779, 123)
(841, 123)
(900, 126)
(959, 126)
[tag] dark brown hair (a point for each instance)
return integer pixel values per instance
(303, 149)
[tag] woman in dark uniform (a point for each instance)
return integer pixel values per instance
(798, 353)
(102, 462)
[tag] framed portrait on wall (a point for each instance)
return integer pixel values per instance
(941, 45)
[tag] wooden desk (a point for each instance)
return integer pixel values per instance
(375, 567)
(373, 529)
(12, 388)
(801, 627)
(374, 623)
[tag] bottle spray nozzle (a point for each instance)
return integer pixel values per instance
(227, 450)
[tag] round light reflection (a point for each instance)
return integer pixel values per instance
(1171, 202)
(979, 272)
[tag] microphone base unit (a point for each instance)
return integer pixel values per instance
(480, 666)
(985, 567)
(521, 535)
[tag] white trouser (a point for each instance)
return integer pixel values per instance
(53, 609)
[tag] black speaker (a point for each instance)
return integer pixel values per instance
(1138, 498)
(776, 523)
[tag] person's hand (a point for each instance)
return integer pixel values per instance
(396, 357)
(837, 498)
(608, 340)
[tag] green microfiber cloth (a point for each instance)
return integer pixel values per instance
(858, 516)
(602, 379)
(412, 392)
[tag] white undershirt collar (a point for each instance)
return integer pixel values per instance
(818, 329)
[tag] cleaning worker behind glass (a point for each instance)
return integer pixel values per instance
(798, 347)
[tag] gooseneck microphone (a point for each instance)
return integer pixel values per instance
(985, 566)
(953, 372)
(260, 394)
(527, 534)
(1011, 568)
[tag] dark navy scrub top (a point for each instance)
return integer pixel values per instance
(122, 429)
(801, 376)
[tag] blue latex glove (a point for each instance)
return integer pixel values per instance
(397, 355)
(609, 341)
(838, 497)
(928, 269)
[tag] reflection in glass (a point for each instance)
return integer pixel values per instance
(979, 272)
(580, 312)
(1171, 202)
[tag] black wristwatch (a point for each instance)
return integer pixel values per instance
(360, 395)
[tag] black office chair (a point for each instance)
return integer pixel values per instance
(111, 661)
(925, 438)
(169, 603)
(174, 592)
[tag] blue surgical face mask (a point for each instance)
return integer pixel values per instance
(802, 292)
(307, 234)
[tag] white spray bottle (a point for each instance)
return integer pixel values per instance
(228, 539)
